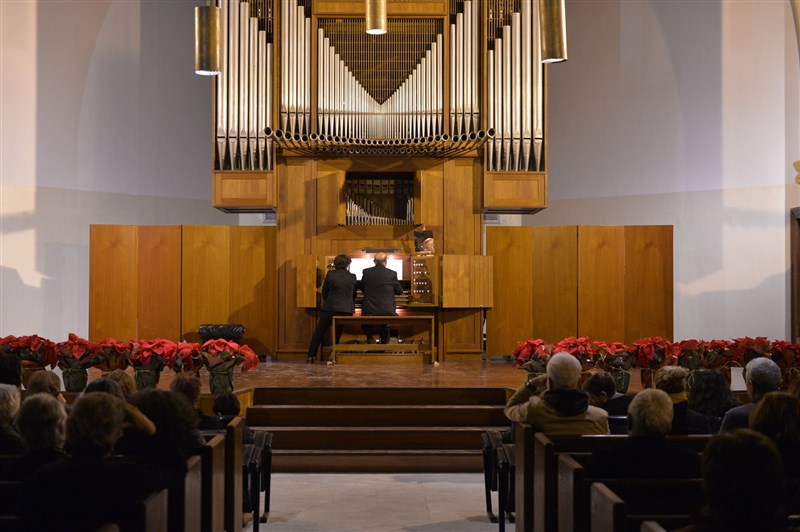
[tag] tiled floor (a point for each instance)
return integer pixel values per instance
(378, 502)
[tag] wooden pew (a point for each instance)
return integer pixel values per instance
(257, 473)
(536, 471)
(233, 475)
(193, 494)
(612, 513)
(152, 513)
(213, 484)
(574, 494)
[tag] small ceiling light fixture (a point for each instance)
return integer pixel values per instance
(553, 24)
(377, 22)
(206, 40)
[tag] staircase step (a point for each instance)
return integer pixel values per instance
(344, 461)
(378, 396)
(378, 438)
(374, 415)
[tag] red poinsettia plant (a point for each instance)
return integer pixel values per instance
(111, 354)
(187, 356)
(746, 349)
(34, 350)
(151, 354)
(785, 354)
(220, 355)
(718, 353)
(653, 352)
(75, 353)
(532, 355)
(613, 356)
(689, 353)
(579, 347)
(5, 343)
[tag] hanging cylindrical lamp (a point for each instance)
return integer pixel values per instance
(206, 40)
(377, 22)
(553, 24)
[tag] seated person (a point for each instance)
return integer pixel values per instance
(761, 376)
(743, 483)
(603, 394)
(45, 382)
(672, 380)
(42, 424)
(563, 409)
(125, 380)
(11, 370)
(105, 385)
(777, 416)
(187, 387)
(646, 454)
(227, 407)
(10, 442)
(91, 487)
(709, 393)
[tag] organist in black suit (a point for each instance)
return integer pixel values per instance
(380, 287)
(338, 290)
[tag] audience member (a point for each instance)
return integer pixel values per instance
(42, 423)
(761, 376)
(777, 416)
(105, 385)
(187, 387)
(45, 382)
(672, 380)
(10, 442)
(91, 487)
(227, 407)
(603, 394)
(743, 483)
(563, 408)
(709, 393)
(125, 380)
(11, 369)
(645, 453)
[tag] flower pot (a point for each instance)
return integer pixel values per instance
(622, 380)
(220, 381)
(74, 379)
(648, 377)
(146, 378)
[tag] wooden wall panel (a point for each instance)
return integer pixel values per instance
(112, 282)
(481, 293)
(429, 187)
(249, 281)
(296, 235)
(456, 281)
(159, 282)
(648, 282)
(461, 332)
(554, 289)
(511, 318)
(330, 206)
(601, 282)
(462, 214)
(515, 190)
(205, 277)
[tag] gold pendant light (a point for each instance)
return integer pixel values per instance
(553, 24)
(376, 17)
(206, 40)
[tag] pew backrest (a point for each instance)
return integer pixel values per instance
(213, 484)
(193, 494)
(234, 490)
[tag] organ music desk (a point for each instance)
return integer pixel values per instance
(418, 347)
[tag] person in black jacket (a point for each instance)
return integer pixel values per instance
(380, 287)
(338, 290)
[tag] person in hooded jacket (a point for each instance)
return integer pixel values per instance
(562, 408)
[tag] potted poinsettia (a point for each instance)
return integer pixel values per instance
(650, 354)
(689, 353)
(111, 354)
(616, 359)
(220, 357)
(531, 355)
(187, 356)
(579, 347)
(746, 349)
(75, 358)
(718, 353)
(787, 356)
(5, 343)
(35, 353)
(148, 358)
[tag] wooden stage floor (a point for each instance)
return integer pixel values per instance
(457, 373)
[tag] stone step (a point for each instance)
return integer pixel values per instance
(378, 438)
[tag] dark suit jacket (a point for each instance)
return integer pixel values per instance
(338, 290)
(380, 287)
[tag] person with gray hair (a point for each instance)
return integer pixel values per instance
(10, 442)
(649, 422)
(761, 376)
(41, 422)
(563, 409)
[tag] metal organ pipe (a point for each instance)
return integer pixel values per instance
(525, 107)
(516, 78)
(233, 79)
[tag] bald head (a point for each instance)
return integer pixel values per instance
(380, 258)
